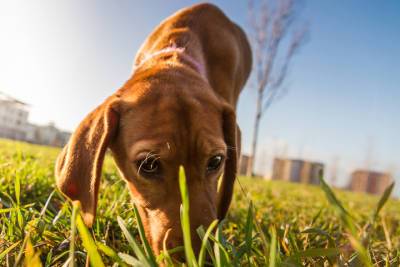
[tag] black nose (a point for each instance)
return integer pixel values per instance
(174, 242)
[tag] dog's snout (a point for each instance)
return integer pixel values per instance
(174, 242)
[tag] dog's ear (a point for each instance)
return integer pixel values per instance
(230, 130)
(78, 167)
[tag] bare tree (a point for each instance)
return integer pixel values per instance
(270, 23)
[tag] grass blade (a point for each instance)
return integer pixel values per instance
(148, 250)
(185, 220)
(209, 249)
(71, 258)
(42, 212)
(110, 253)
(362, 252)
(202, 254)
(17, 188)
(272, 251)
(249, 229)
(21, 251)
(88, 243)
(221, 255)
(130, 260)
(132, 242)
(383, 200)
(8, 250)
(330, 195)
(348, 222)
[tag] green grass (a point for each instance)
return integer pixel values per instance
(270, 223)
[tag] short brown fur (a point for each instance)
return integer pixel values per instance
(170, 108)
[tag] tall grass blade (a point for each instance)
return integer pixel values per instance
(272, 251)
(348, 222)
(204, 242)
(383, 200)
(42, 212)
(71, 258)
(88, 243)
(17, 188)
(221, 255)
(337, 204)
(330, 195)
(132, 242)
(21, 251)
(249, 229)
(362, 252)
(209, 249)
(185, 220)
(131, 260)
(148, 250)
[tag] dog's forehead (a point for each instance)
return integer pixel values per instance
(168, 120)
(149, 88)
(177, 101)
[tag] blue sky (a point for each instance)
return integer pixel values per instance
(64, 57)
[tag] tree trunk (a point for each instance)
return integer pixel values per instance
(252, 158)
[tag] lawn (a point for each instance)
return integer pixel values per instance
(286, 225)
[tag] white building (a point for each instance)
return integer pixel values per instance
(13, 118)
(50, 135)
(14, 124)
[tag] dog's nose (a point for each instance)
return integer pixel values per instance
(174, 243)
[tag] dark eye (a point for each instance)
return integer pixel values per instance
(149, 166)
(214, 163)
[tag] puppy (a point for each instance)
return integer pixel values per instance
(177, 108)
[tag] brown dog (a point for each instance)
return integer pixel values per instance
(178, 108)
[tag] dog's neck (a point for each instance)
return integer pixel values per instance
(179, 55)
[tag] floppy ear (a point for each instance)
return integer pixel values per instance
(231, 139)
(78, 167)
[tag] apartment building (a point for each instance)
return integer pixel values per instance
(368, 181)
(14, 124)
(13, 118)
(297, 170)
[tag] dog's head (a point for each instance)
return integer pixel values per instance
(155, 123)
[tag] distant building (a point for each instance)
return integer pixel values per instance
(50, 135)
(369, 181)
(30, 130)
(13, 118)
(244, 164)
(296, 170)
(14, 124)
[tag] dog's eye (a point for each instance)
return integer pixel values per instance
(214, 163)
(149, 166)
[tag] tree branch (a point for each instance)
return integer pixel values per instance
(298, 39)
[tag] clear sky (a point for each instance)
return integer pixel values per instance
(64, 57)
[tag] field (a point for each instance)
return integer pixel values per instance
(287, 224)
